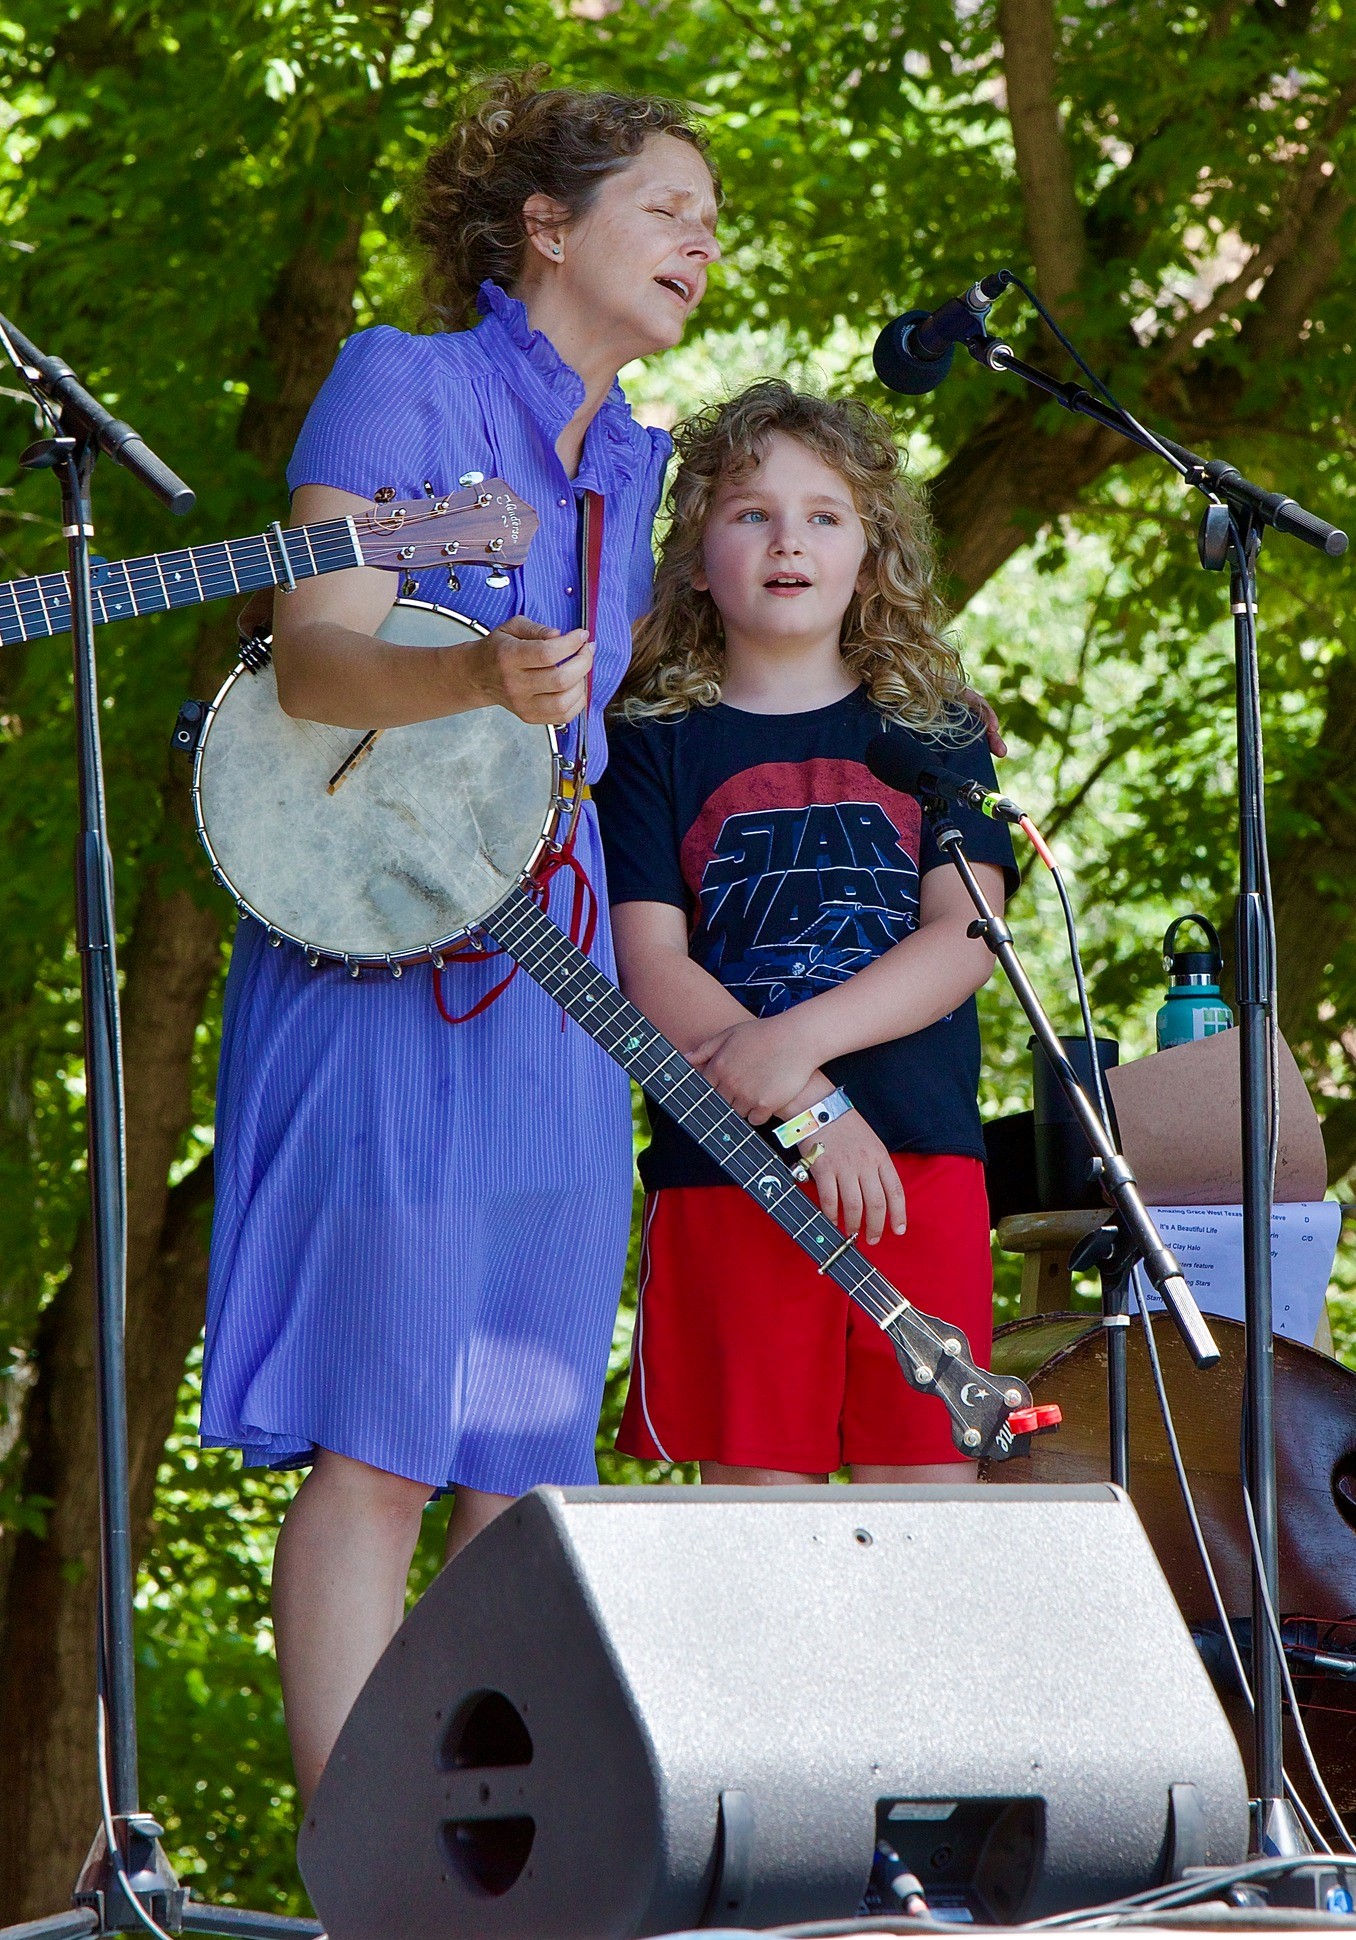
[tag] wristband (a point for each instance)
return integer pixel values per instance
(793, 1130)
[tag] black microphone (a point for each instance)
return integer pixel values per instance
(898, 761)
(913, 354)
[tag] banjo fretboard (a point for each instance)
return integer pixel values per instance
(482, 523)
(932, 1355)
(124, 589)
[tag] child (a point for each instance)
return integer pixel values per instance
(790, 924)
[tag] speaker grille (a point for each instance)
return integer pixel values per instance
(489, 1853)
(487, 1733)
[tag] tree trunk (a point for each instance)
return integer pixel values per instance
(1054, 221)
(47, 1689)
(1008, 480)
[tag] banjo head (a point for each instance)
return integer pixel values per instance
(400, 855)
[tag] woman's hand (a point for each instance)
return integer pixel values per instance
(333, 667)
(536, 672)
(855, 1178)
(993, 734)
(759, 1067)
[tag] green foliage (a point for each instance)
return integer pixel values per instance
(160, 165)
(214, 1752)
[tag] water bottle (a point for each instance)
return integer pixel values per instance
(1194, 1008)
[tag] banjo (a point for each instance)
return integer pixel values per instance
(381, 850)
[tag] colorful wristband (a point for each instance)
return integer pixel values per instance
(793, 1130)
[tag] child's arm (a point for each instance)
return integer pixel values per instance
(855, 1175)
(757, 1062)
(689, 1005)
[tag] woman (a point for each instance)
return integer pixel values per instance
(421, 1231)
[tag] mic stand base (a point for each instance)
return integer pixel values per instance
(1278, 1834)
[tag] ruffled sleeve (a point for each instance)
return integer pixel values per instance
(375, 420)
(640, 576)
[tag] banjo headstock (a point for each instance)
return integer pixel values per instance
(485, 524)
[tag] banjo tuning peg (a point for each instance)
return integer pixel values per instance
(497, 578)
(384, 495)
(409, 586)
(453, 583)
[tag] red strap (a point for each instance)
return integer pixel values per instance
(590, 563)
(483, 1003)
(583, 928)
(470, 953)
(584, 902)
(593, 556)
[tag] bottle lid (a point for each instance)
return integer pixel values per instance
(1193, 963)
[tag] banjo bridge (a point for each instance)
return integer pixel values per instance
(352, 758)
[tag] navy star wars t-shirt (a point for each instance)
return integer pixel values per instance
(794, 867)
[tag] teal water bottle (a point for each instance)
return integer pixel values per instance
(1194, 1007)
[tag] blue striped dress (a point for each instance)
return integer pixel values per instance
(420, 1230)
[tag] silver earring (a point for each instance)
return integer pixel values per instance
(556, 250)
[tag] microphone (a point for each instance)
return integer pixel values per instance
(913, 354)
(898, 761)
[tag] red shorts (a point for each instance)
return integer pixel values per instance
(743, 1354)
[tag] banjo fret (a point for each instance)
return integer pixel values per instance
(160, 582)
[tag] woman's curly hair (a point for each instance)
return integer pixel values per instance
(513, 139)
(891, 636)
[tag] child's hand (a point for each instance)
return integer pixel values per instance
(758, 1067)
(855, 1178)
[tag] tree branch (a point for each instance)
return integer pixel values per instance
(1054, 220)
(1313, 199)
(1299, 279)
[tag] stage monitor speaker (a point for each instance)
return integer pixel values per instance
(631, 1711)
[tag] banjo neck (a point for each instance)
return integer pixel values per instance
(934, 1357)
(161, 582)
(482, 523)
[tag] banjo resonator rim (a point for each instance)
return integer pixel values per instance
(437, 950)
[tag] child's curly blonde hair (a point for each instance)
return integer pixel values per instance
(891, 636)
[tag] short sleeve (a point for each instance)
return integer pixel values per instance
(985, 840)
(637, 815)
(375, 419)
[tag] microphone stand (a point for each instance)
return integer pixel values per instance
(1113, 1253)
(1230, 533)
(126, 1883)
(1113, 1174)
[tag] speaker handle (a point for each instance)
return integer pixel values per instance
(734, 1860)
(1185, 1845)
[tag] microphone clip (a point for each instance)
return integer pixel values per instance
(914, 353)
